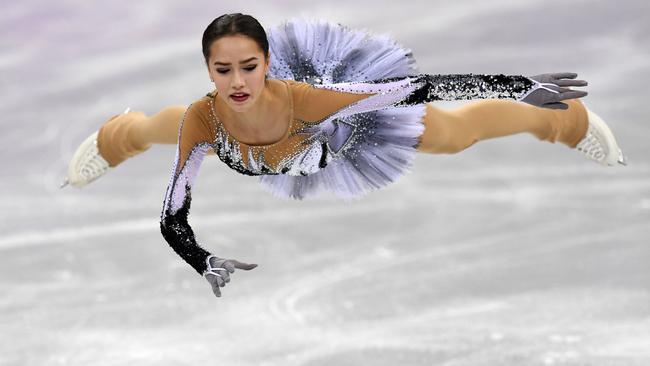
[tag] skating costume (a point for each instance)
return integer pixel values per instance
(357, 102)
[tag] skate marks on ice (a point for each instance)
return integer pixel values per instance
(542, 273)
(364, 311)
(498, 265)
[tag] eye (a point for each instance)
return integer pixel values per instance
(222, 71)
(250, 68)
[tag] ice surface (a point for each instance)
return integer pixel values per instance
(513, 252)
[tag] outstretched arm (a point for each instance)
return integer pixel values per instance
(545, 90)
(193, 143)
(194, 137)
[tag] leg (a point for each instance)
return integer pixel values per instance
(451, 131)
(162, 127)
(127, 135)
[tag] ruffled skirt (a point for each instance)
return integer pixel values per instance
(379, 146)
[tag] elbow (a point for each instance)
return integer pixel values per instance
(163, 227)
(166, 230)
(168, 226)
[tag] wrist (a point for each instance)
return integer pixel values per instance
(208, 266)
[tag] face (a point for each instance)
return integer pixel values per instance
(238, 66)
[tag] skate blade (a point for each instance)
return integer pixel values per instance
(622, 159)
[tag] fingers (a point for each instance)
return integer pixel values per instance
(563, 75)
(564, 93)
(572, 94)
(214, 283)
(228, 265)
(562, 90)
(225, 276)
(571, 82)
(557, 88)
(216, 278)
(567, 75)
(215, 289)
(222, 274)
(242, 265)
(219, 269)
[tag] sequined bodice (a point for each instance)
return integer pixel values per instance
(275, 158)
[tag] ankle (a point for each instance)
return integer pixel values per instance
(122, 137)
(574, 123)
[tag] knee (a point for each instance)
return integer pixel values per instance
(137, 115)
(444, 133)
(460, 145)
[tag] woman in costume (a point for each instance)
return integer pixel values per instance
(310, 106)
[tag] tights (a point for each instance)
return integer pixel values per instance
(451, 131)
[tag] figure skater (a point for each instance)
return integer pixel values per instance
(318, 107)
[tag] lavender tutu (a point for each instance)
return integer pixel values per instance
(366, 150)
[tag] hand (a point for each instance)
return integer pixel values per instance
(551, 92)
(219, 269)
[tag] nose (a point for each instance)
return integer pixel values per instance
(238, 80)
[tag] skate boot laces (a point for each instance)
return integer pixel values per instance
(599, 143)
(87, 164)
(92, 164)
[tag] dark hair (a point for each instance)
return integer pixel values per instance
(231, 24)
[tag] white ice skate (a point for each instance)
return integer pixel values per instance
(599, 143)
(87, 164)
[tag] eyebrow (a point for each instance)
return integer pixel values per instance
(241, 62)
